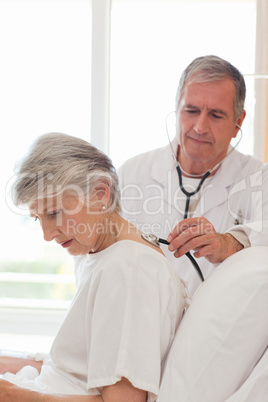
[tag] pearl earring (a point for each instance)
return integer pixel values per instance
(103, 208)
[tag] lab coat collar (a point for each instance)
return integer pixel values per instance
(164, 173)
(164, 163)
(229, 168)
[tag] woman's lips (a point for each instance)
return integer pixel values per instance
(66, 243)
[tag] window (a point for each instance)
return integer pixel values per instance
(106, 71)
(45, 86)
(151, 43)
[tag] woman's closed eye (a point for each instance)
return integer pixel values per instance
(53, 213)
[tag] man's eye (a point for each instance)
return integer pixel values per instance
(190, 111)
(216, 116)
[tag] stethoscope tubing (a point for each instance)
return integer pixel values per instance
(191, 258)
(190, 194)
(186, 211)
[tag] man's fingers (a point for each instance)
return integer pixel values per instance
(195, 236)
(181, 227)
(202, 225)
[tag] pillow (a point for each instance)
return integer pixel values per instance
(255, 388)
(223, 333)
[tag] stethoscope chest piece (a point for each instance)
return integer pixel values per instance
(152, 239)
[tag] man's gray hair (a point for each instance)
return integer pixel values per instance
(213, 68)
(59, 163)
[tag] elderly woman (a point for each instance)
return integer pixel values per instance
(129, 301)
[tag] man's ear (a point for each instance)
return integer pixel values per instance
(239, 122)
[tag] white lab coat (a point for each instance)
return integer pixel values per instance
(236, 193)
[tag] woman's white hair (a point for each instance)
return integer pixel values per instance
(213, 68)
(59, 162)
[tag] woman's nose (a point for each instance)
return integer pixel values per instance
(50, 231)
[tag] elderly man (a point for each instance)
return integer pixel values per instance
(198, 192)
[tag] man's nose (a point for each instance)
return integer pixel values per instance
(50, 231)
(201, 124)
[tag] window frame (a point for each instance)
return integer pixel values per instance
(52, 315)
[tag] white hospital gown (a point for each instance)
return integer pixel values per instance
(121, 323)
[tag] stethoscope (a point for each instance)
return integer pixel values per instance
(154, 240)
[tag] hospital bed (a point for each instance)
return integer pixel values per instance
(220, 349)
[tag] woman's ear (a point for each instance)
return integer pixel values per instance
(101, 193)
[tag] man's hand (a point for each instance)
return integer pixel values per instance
(198, 234)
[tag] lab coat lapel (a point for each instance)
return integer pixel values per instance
(216, 191)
